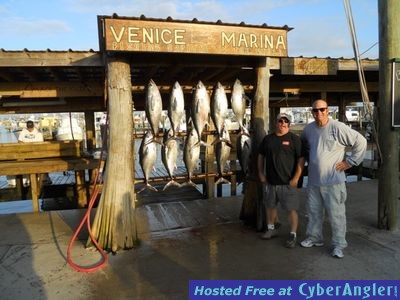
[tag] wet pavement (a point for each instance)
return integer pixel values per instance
(201, 239)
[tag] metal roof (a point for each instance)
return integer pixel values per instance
(196, 21)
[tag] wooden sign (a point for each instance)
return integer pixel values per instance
(308, 66)
(180, 37)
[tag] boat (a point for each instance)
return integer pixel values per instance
(69, 129)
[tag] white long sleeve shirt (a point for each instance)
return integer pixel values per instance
(326, 146)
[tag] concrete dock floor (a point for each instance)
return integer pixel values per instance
(201, 239)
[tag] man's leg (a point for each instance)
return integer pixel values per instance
(315, 213)
(335, 202)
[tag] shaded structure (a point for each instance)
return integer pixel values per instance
(83, 81)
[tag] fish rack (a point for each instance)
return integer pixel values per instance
(205, 177)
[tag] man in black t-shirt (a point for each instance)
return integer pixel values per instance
(280, 164)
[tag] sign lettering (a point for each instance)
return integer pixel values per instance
(179, 37)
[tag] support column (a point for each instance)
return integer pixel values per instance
(115, 224)
(90, 131)
(81, 188)
(342, 108)
(34, 192)
(389, 49)
(253, 211)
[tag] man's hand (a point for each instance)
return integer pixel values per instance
(263, 178)
(293, 182)
(342, 166)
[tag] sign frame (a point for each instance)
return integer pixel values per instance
(185, 37)
(396, 93)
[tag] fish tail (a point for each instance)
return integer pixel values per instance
(222, 180)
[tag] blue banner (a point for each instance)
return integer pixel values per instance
(293, 289)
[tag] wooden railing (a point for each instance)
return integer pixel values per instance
(38, 158)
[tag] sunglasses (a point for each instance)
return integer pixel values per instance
(283, 121)
(322, 109)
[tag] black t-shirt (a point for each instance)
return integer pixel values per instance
(281, 154)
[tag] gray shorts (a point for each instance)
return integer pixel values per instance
(286, 195)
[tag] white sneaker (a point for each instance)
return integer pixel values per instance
(269, 234)
(337, 252)
(308, 243)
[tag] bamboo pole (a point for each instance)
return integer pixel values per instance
(114, 223)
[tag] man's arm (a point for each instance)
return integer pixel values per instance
(260, 168)
(358, 145)
(299, 170)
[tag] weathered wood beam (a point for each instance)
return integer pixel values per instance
(51, 89)
(350, 65)
(322, 66)
(71, 104)
(49, 59)
(321, 86)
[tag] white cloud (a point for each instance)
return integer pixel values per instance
(25, 27)
(208, 10)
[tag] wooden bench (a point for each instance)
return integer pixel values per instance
(45, 157)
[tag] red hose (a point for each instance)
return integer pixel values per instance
(86, 219)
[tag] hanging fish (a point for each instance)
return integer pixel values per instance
(169, 155)
(153, 107)
(243, 150)
(219, 110)
(147, 158)
(176, 108)
(238, 104)
(191, 154)
(222, 151)
(200, 110)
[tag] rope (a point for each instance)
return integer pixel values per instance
(363, 84)
(70, 126)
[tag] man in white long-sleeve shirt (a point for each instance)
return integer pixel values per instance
(325, 142)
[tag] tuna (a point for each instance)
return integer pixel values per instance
(219, 108)
(153, 106)
(176, 108)
(243, 150)
(147, 158)
(200, 109)
(222, 151)
(191, 154)
(238, 104)
(169, 154)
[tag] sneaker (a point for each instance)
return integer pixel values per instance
(291, 241)
(337, 252)
(308, 243)
(269, 234)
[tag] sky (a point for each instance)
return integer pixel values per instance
(320, 27)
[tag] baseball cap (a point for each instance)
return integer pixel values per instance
(284, 115)
(30, 124)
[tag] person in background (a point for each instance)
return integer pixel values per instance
(325, 142)
(30, 134)
(280, 165)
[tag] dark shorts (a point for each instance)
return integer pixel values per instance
(286, 195)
